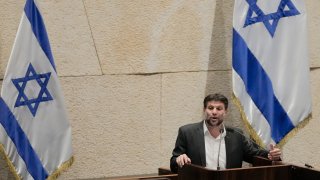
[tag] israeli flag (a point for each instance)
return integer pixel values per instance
(270, 67)
(35, 134)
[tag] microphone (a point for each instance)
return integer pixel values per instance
(221, 131)
(308, 166)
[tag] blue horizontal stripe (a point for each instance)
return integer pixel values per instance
(260, 89)
(21, 141)
(39, 29)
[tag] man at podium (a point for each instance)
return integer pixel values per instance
(211, 144)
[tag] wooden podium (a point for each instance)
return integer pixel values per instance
(262, 169)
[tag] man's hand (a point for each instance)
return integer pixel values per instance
(182, 160)
(274, 153)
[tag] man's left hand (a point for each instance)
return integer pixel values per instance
(274, 153)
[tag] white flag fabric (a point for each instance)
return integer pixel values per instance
(35, 134)
(270, 67)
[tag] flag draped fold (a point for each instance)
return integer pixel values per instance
(270, 67)
(35, 134)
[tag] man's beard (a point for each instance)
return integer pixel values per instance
(215, 123)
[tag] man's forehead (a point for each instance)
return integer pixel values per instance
(216, 103)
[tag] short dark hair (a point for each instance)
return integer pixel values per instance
(216, 97)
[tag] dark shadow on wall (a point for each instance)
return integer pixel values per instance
(219, 64)
(218, 58)
(219, 77)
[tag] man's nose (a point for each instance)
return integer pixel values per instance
(214, 110)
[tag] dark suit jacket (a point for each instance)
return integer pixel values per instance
(190, 141)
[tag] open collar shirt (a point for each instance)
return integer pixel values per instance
(212, 149)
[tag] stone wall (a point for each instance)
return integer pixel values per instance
(133, 71)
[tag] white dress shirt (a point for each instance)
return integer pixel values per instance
(212, 149)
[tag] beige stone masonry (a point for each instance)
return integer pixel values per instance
(133, 71)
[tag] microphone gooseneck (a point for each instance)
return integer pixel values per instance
(218, 166)
(308, 165)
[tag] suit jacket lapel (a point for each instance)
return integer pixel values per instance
(200, 137)
(228, 142)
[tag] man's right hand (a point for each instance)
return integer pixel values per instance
(182, 160)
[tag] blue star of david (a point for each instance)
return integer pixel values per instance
(285, 9)
(21, 83)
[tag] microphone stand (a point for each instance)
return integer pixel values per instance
(218, 166)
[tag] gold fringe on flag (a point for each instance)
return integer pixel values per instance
(53, 176)
(294, 131)
(62, 168)
(254, 134)
(9, 163)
